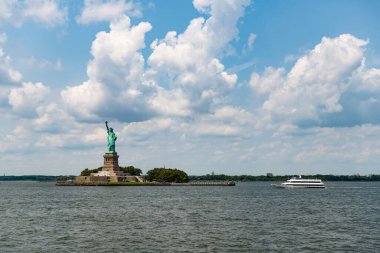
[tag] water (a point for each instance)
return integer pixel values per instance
(250, 217)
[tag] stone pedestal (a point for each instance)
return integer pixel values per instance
(111, 162)
(111, 167)
(109, 173)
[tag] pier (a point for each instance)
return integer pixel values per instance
(73, 183)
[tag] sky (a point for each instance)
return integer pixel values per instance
(225, 86)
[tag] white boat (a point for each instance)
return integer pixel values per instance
(301, 183)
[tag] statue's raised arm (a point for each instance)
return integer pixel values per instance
(107, 126)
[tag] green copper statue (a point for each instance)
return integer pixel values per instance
(111, 139)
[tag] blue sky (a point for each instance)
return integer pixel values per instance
(234, 87)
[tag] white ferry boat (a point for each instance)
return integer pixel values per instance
(301, 183)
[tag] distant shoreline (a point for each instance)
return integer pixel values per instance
(273, 178)
(239, 178)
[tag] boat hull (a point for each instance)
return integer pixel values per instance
(297, 186)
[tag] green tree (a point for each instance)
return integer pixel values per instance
(167, 175)
(131, 170)
(87, 172)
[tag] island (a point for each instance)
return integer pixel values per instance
(111, 174)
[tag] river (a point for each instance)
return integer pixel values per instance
(249, 217)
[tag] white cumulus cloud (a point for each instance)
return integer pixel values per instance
(189, 61)
(184, 74)
(322, 88)
(7, 8)
(46, 12)
(26, 99)
(251, 40)
(106, 10)
(54, 119)
(268, 81)
(116, 87)
(8, 75)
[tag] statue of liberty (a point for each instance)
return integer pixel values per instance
(111, 139)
